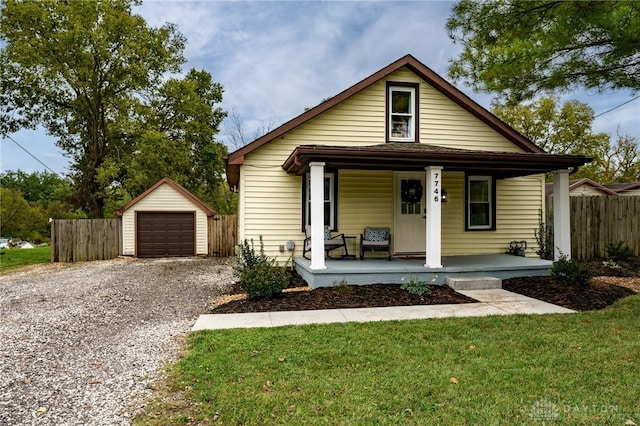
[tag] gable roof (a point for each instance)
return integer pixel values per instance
(236, 158)
(165, 180)
(622, 187)
(579, 182)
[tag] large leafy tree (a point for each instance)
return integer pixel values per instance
(567, 129)
(518, 48)
(79, 68)
(172, 134)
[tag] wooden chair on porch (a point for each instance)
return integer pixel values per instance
(375, 239)
(331, 243)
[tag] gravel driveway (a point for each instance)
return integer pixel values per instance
(80, 343)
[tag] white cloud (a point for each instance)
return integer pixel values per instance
(276, 58)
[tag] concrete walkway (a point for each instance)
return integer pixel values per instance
(490, 302)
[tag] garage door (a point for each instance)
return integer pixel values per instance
(162, 234)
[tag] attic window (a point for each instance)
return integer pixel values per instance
(402, 112)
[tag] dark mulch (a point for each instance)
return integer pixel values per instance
(345, 296)
(597, 295)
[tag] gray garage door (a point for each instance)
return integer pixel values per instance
(164, 234)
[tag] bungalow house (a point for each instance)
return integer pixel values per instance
(382, 154)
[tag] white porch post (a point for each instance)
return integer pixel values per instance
(434, 217)
(561, 214)
(316, 171)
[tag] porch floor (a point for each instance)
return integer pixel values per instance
(399, 270)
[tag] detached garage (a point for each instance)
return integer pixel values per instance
(165, 221)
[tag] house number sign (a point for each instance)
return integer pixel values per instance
(436, 183)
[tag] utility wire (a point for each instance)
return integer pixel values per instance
(34, 157)
(616, 107)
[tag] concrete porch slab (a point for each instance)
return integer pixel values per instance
(398, 270)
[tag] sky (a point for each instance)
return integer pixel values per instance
(274, 59)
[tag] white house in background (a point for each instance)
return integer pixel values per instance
(584, 186)
(632, 188)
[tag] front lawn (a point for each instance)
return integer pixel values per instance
(13, 258)
(578, 369)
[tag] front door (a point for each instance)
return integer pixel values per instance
(409, 214)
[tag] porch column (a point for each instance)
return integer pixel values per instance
(434, 217)
(561, 214)
(316, 172)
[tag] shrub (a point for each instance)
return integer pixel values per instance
(619, 250)
(260, 277)
(415, 286)
(264, 281)
(569, 272)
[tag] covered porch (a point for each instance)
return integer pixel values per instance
(400, 270)
(431, 161)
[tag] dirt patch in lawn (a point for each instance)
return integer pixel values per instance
(614, 281)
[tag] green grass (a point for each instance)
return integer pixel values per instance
(578, 369)
(14, 258)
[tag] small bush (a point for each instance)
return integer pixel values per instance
(260, 277)
(264, 281)
(415, 286)
(571, 273)
(619, 250)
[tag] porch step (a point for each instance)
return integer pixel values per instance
(473, 283)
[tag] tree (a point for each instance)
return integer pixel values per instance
(79, 68)
(30, 199)
(567, 129)
(16, 215)
(42, 187)
(235, 131)
(621, 161)
(173, 135)
(519, 48)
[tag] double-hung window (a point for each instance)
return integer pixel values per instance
(402, 112)
(329, 200)
(480, 203)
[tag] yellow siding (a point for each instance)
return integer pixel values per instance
(270, 200)
(518, 202)
(163, 198)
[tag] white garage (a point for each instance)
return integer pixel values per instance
(165, 221)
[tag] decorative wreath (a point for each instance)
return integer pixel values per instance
(411, 191)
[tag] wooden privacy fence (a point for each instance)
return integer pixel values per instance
(223, 235)
(78, 240)
(600, 220)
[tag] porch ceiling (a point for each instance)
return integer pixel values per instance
(417, 156)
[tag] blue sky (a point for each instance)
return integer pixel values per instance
(276, 58)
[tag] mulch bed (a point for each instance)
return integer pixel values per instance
(597, 295)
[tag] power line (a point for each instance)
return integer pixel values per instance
(34, 157)
(616, 107)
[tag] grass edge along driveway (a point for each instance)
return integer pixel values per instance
(577, 369)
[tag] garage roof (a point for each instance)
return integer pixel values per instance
(195, 200)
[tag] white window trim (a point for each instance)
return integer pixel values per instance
(331, 201)
(489, 180)
(411, 115)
